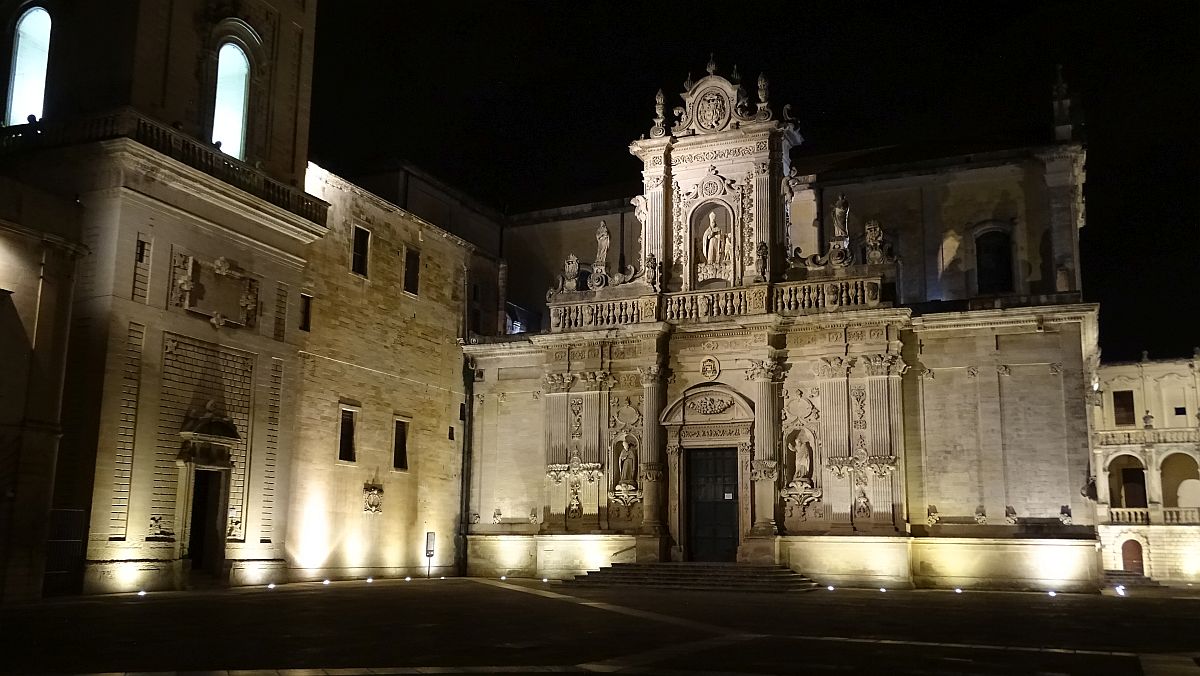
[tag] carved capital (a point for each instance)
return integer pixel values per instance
(595, 380)
(883, 364)
(833, 367)
(558, 382)
(651, 375)
(764, 370)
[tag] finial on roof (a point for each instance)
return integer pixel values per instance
(735, 77)
(712, 64)
(1145, 355)
(762, 88)
(687, 84)
(658, 130)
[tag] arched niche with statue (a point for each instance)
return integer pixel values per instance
(712, 228)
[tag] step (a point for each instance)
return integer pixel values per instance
(696, 576)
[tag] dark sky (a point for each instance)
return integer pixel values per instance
(533, 104)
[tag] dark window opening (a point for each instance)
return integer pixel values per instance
(462, 412)
(305, 312)
(412, 270)
(346, 439)
(450, 432)
(142, 245)
(1180, 410)
(993, 257)
(474, 292)
(475, 321)
(400, 446)
(362, 248)
(1123, 413)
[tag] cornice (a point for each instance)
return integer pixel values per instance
(1025, 317)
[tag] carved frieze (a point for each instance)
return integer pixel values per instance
(882, 364)
(558, 382)
(715, 431)
(800, 407)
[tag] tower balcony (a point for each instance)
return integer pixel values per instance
(175, 144)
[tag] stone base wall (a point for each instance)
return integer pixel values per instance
(117, 577)
(1170, 554)
(550, 556)
(980, 563)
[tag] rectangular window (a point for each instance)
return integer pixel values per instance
(346, 435)
(400, 446)
(305, 312)
(412, 270)
(1180, 410)
(141, 269)
(450, 433)
(1123, 413)
(361, 251)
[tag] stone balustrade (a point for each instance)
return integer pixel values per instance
(1181, 515)
(827, 296)
(1138, 437)
(203, 157)
(809, 297)
(1132, 515)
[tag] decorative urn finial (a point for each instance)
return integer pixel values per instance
(712, 64)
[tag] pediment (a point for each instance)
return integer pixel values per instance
(709, 403)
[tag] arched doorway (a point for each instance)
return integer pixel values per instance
(1127, 482)
(1131, 557)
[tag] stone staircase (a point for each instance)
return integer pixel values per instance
(696, 576)
(1113, 578)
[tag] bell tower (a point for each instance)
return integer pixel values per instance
(712, 211)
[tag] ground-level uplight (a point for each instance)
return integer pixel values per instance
(830, 587)
(1120, 590)
(1053, 593)
(325, 582)
(407, 578)
(271, 585)
(141, 592)
(545, 579)
(370, 580)
(442, 577)
(503, 577)
(957, 590)
(882, 589)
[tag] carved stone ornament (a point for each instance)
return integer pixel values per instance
(650, 375)
(833, 367)
(800, 409)
(558, 382)
(972, 371)
(878, 250)
(883, 364)
(763, 370)
(709, 405)
(1004, 370)
(764, 470)
(981, 515)
(569, 279)
(652, 471)
(710, 368)
(1010, 515)
(932, 516)
(219, 290)
(1064, 515)
(372, 498)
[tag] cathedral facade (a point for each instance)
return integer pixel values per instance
(229, 366)
(871, 371)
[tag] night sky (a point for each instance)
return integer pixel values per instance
(529, 105)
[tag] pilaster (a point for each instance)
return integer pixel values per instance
(764, 467)
(652, 449)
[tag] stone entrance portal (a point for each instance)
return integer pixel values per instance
(712, 498)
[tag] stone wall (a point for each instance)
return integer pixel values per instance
(1170, 554)
(390, 355)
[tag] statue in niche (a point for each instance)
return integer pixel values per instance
(714, 241)
(602, 239)
(841, 216)
(802, 453)
(627, 465)
(760, 262)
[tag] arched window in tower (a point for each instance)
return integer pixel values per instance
(993, 262)
(232, 101)
(31, 53)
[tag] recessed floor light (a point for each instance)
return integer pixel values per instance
(830, 587)
(325, 582)
(957, 590)
(142, 592)
(271, 585)
(370, 580)
(1053, 594)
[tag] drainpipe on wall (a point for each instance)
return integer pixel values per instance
(464, 507)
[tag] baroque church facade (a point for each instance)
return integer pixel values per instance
(235, 367)
(872, 372)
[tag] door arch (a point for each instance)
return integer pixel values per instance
(1131, 557)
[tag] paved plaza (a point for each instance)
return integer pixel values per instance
(527, 626)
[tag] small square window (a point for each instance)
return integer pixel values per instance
(400, 445)
(361, 251)
(349, 421)
(305, 312)
(412, 270)
(1180, 410)
(462, 412)
(450, 433)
